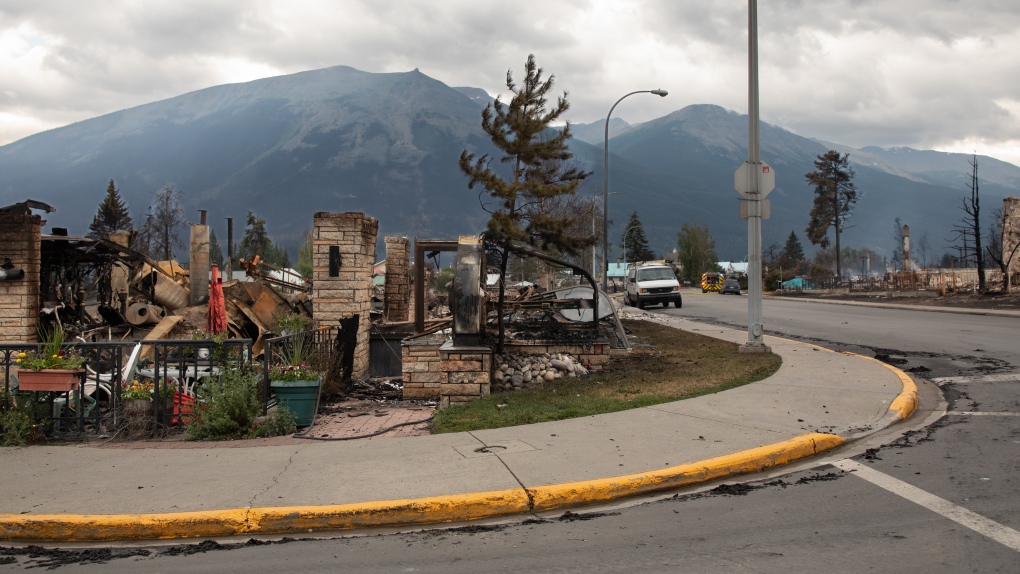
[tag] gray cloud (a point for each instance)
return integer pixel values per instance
(924, 73)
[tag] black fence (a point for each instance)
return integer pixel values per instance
(175, 369)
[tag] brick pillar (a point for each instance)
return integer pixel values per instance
(398, 292)
(20, 238)
(468, 374)
(342, 260)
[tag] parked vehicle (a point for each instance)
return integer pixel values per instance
(651, 284)
(730, 285)
(711, 281)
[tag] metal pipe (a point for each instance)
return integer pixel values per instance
(230, 249)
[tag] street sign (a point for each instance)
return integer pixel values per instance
(749, 207)
(742, 179)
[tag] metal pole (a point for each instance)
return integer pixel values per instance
(755, 325)
(230, 249)
(605, 187)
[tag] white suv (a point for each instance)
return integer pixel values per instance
(651, 284)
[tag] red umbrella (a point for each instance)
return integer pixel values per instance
(217, 308)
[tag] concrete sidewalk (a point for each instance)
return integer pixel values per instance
(817, 400)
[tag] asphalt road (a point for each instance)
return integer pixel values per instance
(942, 498)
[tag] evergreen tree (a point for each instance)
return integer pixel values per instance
(634, 242)
(537, 157)
(793, 253)
(111, 216)
(256, 239)
(304, 262)
(215, 251)
(835, 197)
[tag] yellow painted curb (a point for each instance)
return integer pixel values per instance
(75, 527)
(432, 510)
(906, 402)
(563, 495)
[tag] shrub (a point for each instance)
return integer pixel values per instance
(228, 407)
(278, 423)
(17, 426)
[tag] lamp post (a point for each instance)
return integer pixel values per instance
(605, 187)
(626, 233)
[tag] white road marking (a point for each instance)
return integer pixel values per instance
(999, 378)
(976, 413)
(997, 532)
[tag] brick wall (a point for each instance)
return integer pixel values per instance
(434, 369)
(19, 299)
(349, 291)
(422, 368)
(398, 292)
(468, 374)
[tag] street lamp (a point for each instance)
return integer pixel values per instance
(605, 188)
(626, 234)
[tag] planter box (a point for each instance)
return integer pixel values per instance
(52, 380)
(298, 396)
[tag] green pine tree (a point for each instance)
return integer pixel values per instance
(634, 242)
(793, 252)
(835, 197)
(537, 156)
(256, 239)
(111, 216)
(304, 262)
(215, 251)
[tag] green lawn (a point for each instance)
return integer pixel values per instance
(667, 364)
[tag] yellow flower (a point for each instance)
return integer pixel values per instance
(17, 360)
(22, 355)
(54, 357)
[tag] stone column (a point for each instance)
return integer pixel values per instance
(398, 293)
(21, 241)
(1011, 222)
(198, 264)
(468, 374)
(342, 259)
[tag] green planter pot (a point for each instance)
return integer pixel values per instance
(299, 397)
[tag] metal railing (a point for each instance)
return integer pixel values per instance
(175, 367)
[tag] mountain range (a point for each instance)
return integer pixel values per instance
(340, 139)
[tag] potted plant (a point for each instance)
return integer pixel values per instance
(297, 388)
(136, 397)
(51, 367)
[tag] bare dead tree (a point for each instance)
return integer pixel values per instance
(968, 231)
(160, 233)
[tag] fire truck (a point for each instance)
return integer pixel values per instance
(711, 281)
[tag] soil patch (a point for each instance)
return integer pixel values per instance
(667, 364)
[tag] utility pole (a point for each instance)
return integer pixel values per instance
(754, 191)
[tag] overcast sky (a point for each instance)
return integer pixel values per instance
(929, 74)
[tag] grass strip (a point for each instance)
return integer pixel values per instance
(667, 364)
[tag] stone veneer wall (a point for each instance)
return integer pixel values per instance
(398, 283)
(350, 291)
(20, 236)
(593, 355)
(421, 367)
(468, 374)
